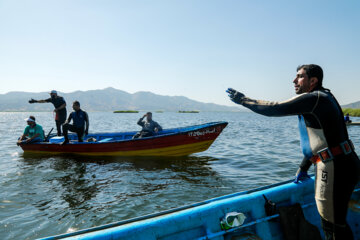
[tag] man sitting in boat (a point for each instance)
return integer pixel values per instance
(32, 133)
(347, 118)
(79, 118)
(149, 127)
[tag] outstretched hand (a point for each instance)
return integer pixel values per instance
(32, 101)
(235, 96)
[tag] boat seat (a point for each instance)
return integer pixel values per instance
(105, 140)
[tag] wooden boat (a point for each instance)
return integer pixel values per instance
(203, 220)
(169, 142)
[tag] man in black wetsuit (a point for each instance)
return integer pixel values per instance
(80, 123)
(324, 141)
(60, 108)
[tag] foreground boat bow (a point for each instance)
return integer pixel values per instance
(202, 220)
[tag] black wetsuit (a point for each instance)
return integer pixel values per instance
(79, 118)
(321, 124)
(61, 114)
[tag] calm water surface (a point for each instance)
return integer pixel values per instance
(42, 196)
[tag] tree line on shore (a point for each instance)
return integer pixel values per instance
(353, 112)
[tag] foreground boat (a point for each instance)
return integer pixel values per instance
(169, 142)
(203, 220)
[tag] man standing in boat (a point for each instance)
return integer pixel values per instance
(60, 108)
(149, 127)
(80, 123)
(324, 141)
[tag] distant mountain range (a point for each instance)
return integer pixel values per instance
(352, 105)
(108, 99)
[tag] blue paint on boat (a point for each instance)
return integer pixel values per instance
(202, 220)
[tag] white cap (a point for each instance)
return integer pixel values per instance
(53, 91)
(29, 120)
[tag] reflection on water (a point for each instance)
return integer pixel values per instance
(83, 193)
(48, 195)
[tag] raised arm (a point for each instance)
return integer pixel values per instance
(140, 121)
(300, 104)
(39, 101)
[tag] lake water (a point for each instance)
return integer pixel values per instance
(42, 196)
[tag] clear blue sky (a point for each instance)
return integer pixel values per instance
(192, 48)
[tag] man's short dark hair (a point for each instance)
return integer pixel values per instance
(77, 103)
(149, 113)
(313, 70)
(32, 117)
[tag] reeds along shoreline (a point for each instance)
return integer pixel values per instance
(126, 111)
(353, 112)
(188, 111)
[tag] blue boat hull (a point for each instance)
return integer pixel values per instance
(202, 220)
